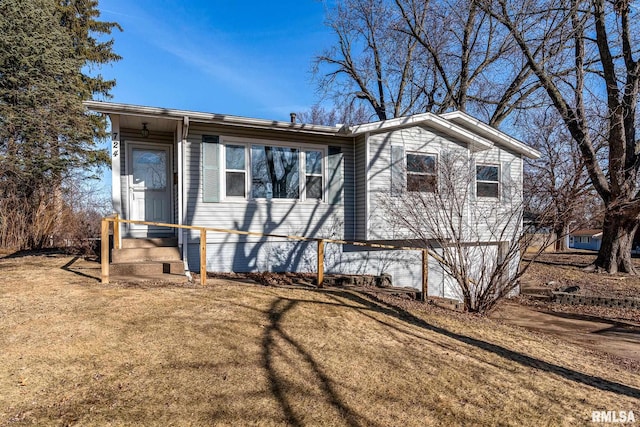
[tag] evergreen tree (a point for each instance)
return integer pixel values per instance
(45, 133)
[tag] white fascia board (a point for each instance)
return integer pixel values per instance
(478, 142)
(221, 119)
(492, 134)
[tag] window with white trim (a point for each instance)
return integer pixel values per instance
(487, 183)
(235, 171)
(314, 182)
(421, 172)
(265, 171)
(275, 172)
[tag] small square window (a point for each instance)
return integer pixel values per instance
(235, 184)
(421, 173)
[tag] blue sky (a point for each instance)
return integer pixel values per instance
(244, 58)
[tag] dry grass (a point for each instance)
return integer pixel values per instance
(567, 269)
(77, 352)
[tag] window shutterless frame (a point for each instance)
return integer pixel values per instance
(235, 170)
(300, 170)
(314, 171)
(422, 172)
(487, 181)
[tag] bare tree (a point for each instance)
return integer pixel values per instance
(372, 62)
(347, 115)
(409, 56)
(472, 224)
(475, 62)
(598, 39)
(557, 182)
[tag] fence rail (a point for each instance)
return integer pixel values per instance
(116, 221)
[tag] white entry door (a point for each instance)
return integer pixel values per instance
(149, 188)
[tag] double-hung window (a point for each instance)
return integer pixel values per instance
(421, 173)
(313, 175)
(235, 175)
(487, 184)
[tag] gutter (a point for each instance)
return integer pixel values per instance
(221, 119)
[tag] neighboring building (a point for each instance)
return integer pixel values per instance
(589, 239)
(240, 173)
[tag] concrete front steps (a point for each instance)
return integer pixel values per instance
(147, 259)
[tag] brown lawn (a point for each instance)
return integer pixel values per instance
(74, 352)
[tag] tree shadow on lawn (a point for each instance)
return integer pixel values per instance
(523, 359)
(589, 318)
(280, 385)
(47, 252)
(76, 270)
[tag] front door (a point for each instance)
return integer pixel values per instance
(149, 188)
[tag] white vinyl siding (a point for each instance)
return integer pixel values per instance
(280, 216)
(387, 170)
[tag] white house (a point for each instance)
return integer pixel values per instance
(215, 170)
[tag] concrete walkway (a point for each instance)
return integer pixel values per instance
(619, 338)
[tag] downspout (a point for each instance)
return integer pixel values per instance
(182, 203)
(367, 198)
(354, 236)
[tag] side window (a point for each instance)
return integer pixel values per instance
(313, 175)
(421, 173)
(487, 181)
(235, 171)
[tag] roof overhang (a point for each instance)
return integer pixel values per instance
(429, 120)
(459, 125)
(492, 134)
(597, 234)
(210, 118)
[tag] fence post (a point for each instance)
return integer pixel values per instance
(104, 251)
(203, 256)
(425, 275)
(116, 232)
(320, 278)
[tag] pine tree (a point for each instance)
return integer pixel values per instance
(45, 133)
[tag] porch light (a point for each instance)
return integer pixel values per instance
(145, 131)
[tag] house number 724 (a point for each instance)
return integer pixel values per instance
(116, 145)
